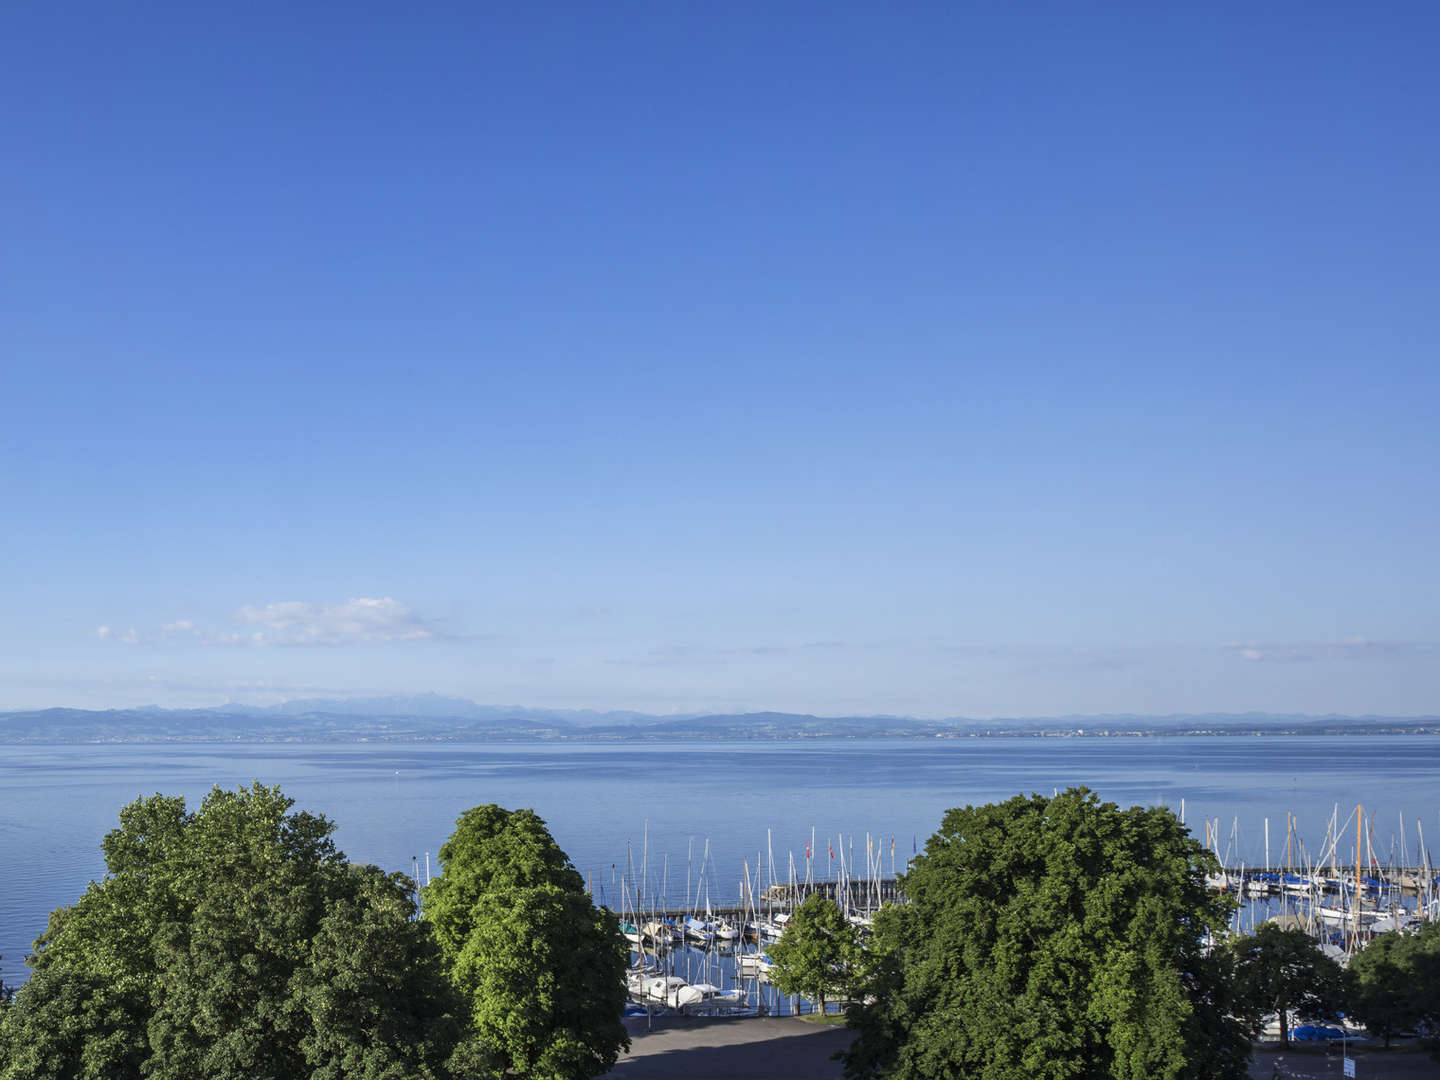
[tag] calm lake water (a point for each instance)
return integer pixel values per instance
(393, 802)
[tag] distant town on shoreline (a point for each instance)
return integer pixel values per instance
(433, 718)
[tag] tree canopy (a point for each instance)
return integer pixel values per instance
(67, 1025)
(233, 941)
(541, 968)
(818, 953)
(1396, 985)
(1277, 970)
(1051, 938)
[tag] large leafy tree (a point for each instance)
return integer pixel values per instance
(1384, 997)
(71, 1025)
(1051, 938)
(1397, 982)
(1279, 969)
(235, 941)
(541, 968)
(818, 953)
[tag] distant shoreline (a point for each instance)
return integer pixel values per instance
(699, 738)
(431, 718)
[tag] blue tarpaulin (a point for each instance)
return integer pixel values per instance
(1315, 1033)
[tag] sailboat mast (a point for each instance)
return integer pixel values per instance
(1335, 844)
(1425, 866)
(770, 855)
(1359, 815)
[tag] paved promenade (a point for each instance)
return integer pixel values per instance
(1316, 1064)
(786, 1048)
(756, 1048)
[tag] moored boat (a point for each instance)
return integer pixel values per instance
(703, 997)
(753, 964)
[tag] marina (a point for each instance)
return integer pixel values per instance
(393, 803)
(1343, 903)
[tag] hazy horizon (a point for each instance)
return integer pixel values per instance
(429, 704)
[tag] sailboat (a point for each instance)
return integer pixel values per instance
(720, 928)
(768, 930)
(757, 963)
(702, 997)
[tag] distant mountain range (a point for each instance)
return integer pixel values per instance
(433, 718)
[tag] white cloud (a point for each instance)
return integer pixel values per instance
(361, 619)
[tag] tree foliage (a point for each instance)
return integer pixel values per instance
(818, 953)
(1278, 970)
(1397, 982)
(1047, 939)
(71, 1025)
(541, 968)
(235, 941)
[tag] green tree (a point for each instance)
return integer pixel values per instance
(1277, 970)
(71, 1025)
(541, 968)
(1397, 982)
(1385, 997)
(1425, 961)
(1049, 939)
(818, 953)
(236, 941)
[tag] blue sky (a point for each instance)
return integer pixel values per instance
(946, 360)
